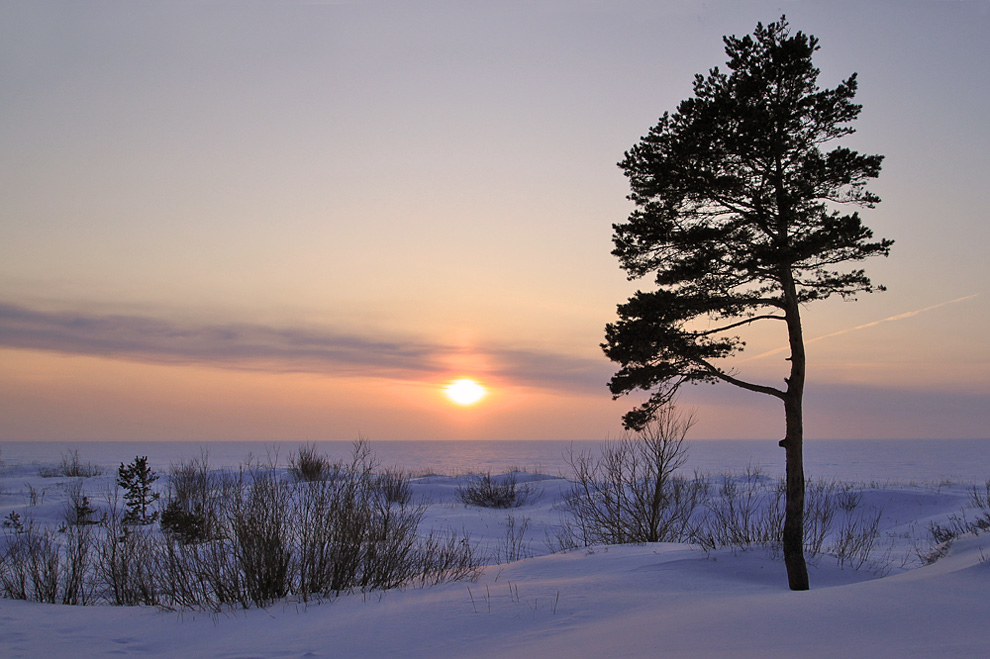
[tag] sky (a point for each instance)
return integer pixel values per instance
(302, 220)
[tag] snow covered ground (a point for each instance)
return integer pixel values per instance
(671, 600)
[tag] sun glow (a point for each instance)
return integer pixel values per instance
(465, 391)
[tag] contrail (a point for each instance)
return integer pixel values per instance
(900, 316)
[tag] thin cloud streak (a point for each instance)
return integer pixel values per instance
(900, 316)
(275, 349)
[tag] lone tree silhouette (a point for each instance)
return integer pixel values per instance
(737, 218)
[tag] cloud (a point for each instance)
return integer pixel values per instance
(278, 349)
(554, 370)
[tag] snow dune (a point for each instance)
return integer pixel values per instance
(653, 600)
(629, 601)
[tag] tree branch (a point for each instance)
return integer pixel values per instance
(739, 324)
(742, 384)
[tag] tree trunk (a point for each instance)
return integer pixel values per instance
(793, 532)
(793, 443)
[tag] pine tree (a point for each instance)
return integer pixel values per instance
(737, 220)
(137, 479)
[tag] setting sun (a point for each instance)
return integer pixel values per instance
(465, 391)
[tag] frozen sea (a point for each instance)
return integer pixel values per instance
(860, 461)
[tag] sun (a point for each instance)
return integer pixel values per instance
(465, 391)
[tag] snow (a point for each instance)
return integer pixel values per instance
(671, 600)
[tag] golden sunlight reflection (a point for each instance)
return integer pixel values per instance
(465, 391)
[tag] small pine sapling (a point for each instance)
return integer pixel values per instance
(13, 521)
(137, 479)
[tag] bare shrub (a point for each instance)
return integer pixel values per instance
(390, 555)
(209, 554)
(562, 537)
(260, 538)
(357, 529)
(204, 575)
(941, 536)
(308, 465)
(343, 531)
(630, 492)
(821, 502)
(126, 566)
(513, 546)
(979, 498)
(77, 587)
(34, 496)
(43, 566)
(78, 510)
(848, 497)
(746, 510)
(70, 466)
(193, 498)
(14, 582)
(487, 491)
(390, 544)
(327, 524)
(40, 554)
(188, 580)
(394, 486)
(856, 541)
(450, 558)
(334, 516)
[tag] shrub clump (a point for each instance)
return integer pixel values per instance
(941, 536)
(78, 509)
(240, 539)
(70, 466)
(487, 491)
(308, 465)
(193, 498)
(631, 493)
